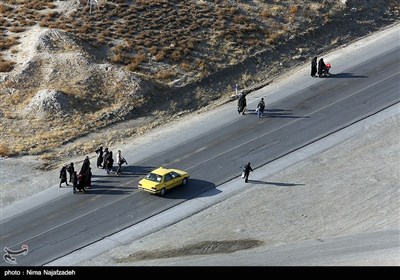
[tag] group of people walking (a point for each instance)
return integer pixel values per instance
(83, 180)
(319, 68)
(242, 105)
(80, 181)
(105, 160)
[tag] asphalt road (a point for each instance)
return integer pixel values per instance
(69, 222)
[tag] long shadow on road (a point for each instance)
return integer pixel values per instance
(346, 75)
(274, 183)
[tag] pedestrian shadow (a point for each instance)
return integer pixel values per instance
(281, 113)
(277, 110)
(278, 184)
(345, 75)
(108, 190)
(275, 113)
(102, 181)
(132, 170)
(123, 174)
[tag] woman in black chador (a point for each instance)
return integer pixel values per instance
(85, 165)
(99, 153)
(63, 175)
(242, 104)
(321, 66)
(314, 66)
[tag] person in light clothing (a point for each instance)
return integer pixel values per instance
(120, 160)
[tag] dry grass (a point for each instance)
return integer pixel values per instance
(6, 66)
(4, 151)
(157, 27)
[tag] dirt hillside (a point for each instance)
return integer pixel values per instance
(75, 76)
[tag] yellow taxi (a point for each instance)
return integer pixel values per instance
(162, 179)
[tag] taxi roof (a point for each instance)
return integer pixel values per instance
(160, 171)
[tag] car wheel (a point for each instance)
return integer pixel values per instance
(162, 192)
(184, 181)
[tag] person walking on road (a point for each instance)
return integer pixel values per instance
(74, 181)
(247, 169)
(71, 170)
(120, 160)
(105, 154)
(109, 162)
(314, 66)
(242, 104)
(100, 159)
(260, 108)
(63, 175)
(321, 67)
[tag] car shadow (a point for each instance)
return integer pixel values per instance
(194, 188)
(278, 184)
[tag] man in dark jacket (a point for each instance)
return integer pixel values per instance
(260, 108)
(247, 168)
(71, 170)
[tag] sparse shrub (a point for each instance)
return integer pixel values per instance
(185, 66)
(135, 62)
(101, 39)
(201, 64)
(4, 150)
(273, 37)
(176, 56)
(253, 42)
(118, 58)
(265, 13)
(165, 74)
(17, 29)
(51, 5)
(160, 56)
(35, 5)
(7, 23)
(293, 9)
(132, 66)
(6, 66)
(153, 50)
(148, 42)
(4, 8)
(86, 29)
